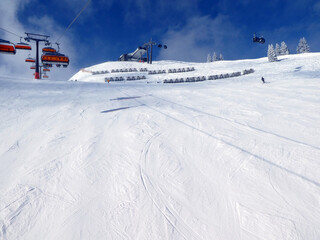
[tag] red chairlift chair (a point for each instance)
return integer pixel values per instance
(7, 47)
(30, 60)
(22, 46)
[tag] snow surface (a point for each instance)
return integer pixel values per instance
(225, 159)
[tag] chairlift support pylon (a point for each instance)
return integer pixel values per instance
(149, 45)
(37, 38)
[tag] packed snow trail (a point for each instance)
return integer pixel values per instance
(184, 122)
(229, 159)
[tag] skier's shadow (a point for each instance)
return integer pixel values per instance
(124, 98)
(119, 109)
(297, 69)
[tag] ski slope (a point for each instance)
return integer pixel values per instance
(225, 159)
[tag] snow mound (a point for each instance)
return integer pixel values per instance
(173, 71)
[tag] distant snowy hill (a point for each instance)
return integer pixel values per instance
(167, 70)
(226, 158)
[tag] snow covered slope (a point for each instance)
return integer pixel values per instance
(158, 72)
(225, 159)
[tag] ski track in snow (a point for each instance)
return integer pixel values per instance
(248, 127)
(225, 159)
(157, 197)
(256, 156)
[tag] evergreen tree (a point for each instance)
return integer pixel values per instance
(221, 57)
(214, 57)
(272, 57)
(277, 50)
(303, 46)
(209, 58)
(284, 49)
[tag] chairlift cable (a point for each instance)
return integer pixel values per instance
(10, 32)
(74, 20)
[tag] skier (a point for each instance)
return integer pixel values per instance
(262, 79)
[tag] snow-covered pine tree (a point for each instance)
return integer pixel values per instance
(214, 57)
(303, 46)
(271, 54)
(221, 57)
(277, 50)
(209, 58)
(284, 49)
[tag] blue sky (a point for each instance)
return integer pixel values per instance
(191, 29)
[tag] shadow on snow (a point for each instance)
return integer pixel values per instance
(119, 109)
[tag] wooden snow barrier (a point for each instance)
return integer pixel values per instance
(188, 79)
(143, 70)
(157, 72)
(173, 80)
(181, 70)
(211, 77)
(121, 70)
(100, 72)
(114, 79)
(124, 70)
(248, 71)
(133, 78)
(129, 78)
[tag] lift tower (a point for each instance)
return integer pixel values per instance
(37, 38)
(149, 45)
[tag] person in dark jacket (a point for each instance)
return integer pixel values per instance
(262, 79)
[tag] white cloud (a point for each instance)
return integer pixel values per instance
(200, 36)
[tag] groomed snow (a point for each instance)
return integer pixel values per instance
(226, 159)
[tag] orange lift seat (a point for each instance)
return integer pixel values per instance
(31, 60)
(49, 50)
(55, 58)
(7, 47)
(23, 46)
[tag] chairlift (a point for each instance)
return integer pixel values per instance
(55, 58)
(164, 46)
(256, 39)
(33, 67)
(22, 46)
(31, 60)
(46, 70)
(48, 50)
(7, 47)
(47, 65)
